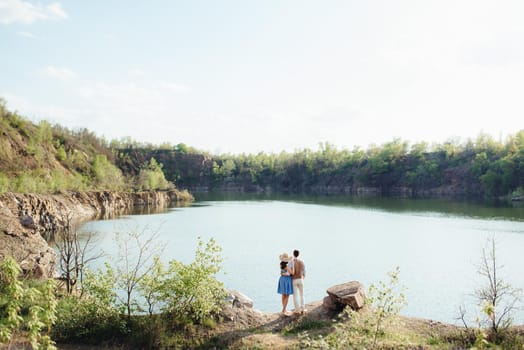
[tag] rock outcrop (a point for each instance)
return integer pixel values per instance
(239, 300)
(25, 219)
(346, 294)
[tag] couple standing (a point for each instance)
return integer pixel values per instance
(291, 281)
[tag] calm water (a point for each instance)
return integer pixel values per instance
(436, 243)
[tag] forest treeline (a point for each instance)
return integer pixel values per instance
(49, 158)
(482, 167)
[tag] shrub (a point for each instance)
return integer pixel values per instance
(192, 291)
(25, 307)
(106, 176)
(86, 320)
(92, 317)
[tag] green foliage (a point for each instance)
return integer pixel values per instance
(100, 286)
(106, 176)
(29, 154)
(45, 133)
(137, 258)
(151, 177)
(25, 308)
(93, 316)
(88, 320)
(481, 167)
(192, 290)
(61, 154)
(151, 286)
(179, 295)
(4, 183)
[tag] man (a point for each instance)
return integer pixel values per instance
(299, 274)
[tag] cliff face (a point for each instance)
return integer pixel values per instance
(26, 218)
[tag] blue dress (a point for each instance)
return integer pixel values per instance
(285, 283)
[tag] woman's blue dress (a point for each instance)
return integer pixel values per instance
(285, 284)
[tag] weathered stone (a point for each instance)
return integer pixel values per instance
(349, 293)
(240, 300)
(330, 304)
(25, 219)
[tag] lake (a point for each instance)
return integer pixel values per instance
(437, 244)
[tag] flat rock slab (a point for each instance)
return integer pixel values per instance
(349, 293)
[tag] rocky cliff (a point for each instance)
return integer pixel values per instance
(25, 219)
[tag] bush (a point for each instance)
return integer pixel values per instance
(86, 320)
(106, 176)
(25, 307)
(92, 317)
(192, 291)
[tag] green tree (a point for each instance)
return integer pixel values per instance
(151, 177)
(106, 175)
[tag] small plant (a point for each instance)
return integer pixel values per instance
(25, 308)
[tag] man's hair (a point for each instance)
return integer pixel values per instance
(296, 253)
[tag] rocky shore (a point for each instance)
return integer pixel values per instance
(25, 219)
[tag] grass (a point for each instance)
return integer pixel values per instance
(303, 325)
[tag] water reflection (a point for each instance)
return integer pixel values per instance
(504, 210)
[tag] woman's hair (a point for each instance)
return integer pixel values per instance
(283, 264)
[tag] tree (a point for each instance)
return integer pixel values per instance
(151, 177)
(74, 253)
(497, 298)
(106, 175)
(151, 285)
(137, 253)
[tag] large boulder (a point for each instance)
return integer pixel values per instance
(346, 294)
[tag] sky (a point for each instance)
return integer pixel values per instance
(244, 76)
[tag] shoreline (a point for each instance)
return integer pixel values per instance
(27, 221)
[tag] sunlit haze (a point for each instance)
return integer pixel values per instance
(249, 76)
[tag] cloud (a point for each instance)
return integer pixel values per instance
(157, 93)
(59, 73)
(27, 35)
(53, 113)
(17, 11)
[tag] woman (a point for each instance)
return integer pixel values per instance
(285, 284)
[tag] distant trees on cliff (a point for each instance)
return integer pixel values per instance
(480, 167)
(50, 158)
